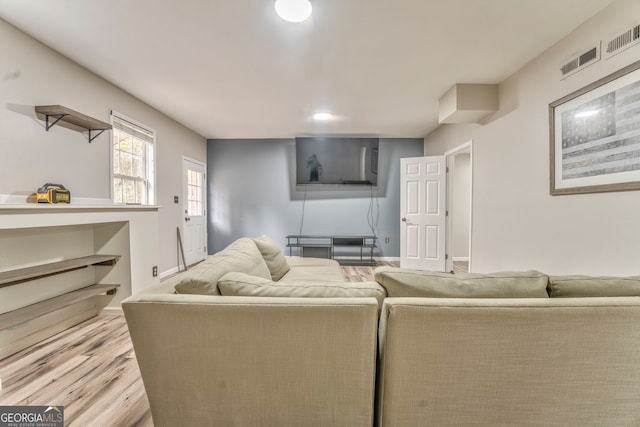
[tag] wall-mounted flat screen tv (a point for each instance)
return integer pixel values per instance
(336, 161)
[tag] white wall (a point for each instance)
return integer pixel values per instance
(32, 74)
(517, 225)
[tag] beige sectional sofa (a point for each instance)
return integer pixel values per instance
(251, 338)
(294, 345)
(508, 349)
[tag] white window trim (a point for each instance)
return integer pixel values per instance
(150, 154)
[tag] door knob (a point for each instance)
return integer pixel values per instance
(187, 219)
(404, 219)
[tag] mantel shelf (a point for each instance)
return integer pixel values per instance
(20, 275)
(64, 114)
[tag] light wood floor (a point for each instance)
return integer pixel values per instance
(91, 369)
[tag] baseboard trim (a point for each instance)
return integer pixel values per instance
(175, 270)
(112, 311)
(170, 272)
(460, 259)
(388, 258)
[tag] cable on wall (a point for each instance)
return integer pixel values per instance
(371, 213)
(304, 202)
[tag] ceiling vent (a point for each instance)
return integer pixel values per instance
(626, 39)
(580, 60)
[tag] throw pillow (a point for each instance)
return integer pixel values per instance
(593, 286)
(276, 262)
(241, 255)
(416, 283)
(240, 284)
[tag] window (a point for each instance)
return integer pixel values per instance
(132, 162)
(194, 194)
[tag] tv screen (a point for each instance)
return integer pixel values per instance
(336, 161)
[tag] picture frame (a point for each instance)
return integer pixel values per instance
(595, 136)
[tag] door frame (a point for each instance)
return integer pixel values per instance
(183, 204)
(449, 155)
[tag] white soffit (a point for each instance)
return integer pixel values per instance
(468, 103)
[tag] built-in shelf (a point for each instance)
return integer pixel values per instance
(31, 323)
(58, 113)
(23, 315)
(20, 275)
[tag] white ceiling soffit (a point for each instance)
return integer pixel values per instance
(233, 69)
(468, 103)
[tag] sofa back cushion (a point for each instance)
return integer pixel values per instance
(240, 284)
(241, 255)
(593, 286)
(416, 283)
(272, 255)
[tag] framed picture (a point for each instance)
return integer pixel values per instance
(595, 136)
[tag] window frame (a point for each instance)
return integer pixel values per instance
(149, 156)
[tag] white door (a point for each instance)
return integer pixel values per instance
(194, 227)
(423, 213)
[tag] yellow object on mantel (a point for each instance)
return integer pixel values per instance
(53, 193)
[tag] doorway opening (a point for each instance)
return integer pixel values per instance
(459, 163)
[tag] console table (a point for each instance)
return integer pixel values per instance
(321, 246)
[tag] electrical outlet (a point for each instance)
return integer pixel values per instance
(154, 271)
(387, 239)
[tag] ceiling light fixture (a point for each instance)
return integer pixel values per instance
(293, 10)
(322, 116)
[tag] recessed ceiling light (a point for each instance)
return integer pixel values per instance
(293, 10)
(322, 116)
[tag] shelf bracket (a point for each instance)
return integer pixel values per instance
(96, 135)
(50, 125)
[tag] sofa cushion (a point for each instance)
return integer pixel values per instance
(273, 256)
(240, 284)
(241, 255)
(593, 286)
(416, 283)
(313, 270)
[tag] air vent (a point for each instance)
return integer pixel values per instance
(580, 60)
(626, 39)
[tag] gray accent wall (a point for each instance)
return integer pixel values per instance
(252, 192)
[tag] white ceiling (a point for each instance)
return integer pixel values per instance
(233, 69)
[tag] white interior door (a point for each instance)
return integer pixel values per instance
(194, 227)
(423, 213)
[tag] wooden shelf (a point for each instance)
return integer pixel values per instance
(20, 275)
(67, 115)
(22, 315)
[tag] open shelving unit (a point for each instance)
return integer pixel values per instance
(28, 325)
(317, 246)
(57, 113)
